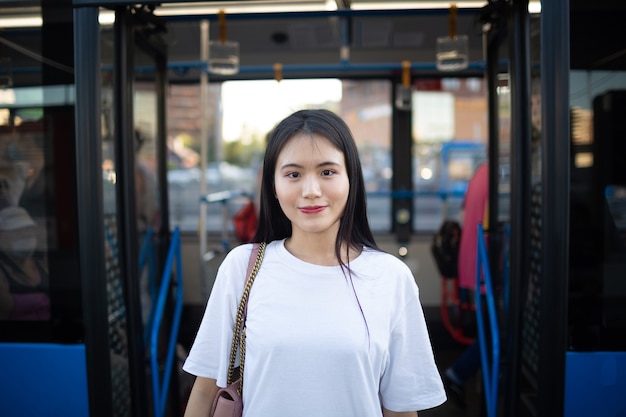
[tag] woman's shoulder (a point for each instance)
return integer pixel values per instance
(388, 274)
(240, 254)
(378, 259)
(232, 269)
(381, 255)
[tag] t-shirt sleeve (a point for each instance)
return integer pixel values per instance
(210, 352)
(411, 381)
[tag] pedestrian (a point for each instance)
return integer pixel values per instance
(475, 211)
(334, 325)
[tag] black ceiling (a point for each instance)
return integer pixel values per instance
(306, 43)
(597, 39)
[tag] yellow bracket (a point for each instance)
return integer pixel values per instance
(452, 21)
(221, 21)
(278, 71)
(406, 74)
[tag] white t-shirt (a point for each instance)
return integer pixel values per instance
(313, 347)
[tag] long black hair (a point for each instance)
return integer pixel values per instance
(354, 230)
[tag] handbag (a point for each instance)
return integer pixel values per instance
(228, 401)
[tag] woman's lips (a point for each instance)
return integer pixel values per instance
(312, 209)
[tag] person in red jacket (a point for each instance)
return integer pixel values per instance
(475, 210)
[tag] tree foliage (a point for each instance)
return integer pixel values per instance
(244, 153)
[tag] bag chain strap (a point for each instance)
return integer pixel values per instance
(239, 334)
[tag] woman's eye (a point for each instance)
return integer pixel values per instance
(327, 172)
(293, 175)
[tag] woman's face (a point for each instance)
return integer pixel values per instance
(311, 184)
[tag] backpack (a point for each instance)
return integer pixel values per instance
(445, 248)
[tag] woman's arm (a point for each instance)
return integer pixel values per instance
(387, 413)
(201, 397)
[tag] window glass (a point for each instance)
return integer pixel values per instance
(449, 118)
(240, 115)
(24, 276)
(449, 133)
(40, 283)
(38, 253)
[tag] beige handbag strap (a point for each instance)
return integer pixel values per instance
(239, 332)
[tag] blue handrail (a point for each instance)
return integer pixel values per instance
(160, 390)
(147, 253)
(490, 371)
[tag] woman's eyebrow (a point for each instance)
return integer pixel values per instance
(321, 164)
(291, 165)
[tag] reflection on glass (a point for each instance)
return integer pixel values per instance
(146, 157)
(146, 189)
(583, 160)
(24, 284)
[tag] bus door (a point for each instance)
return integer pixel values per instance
(135, 207)
(123, 227)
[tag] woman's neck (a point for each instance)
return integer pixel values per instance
(318, 250)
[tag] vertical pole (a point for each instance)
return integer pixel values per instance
(161, 120)
(555, 205)
(493, 42)
(402, 180)
(126, 209)
(204, 136)
(520, 195)
(90, 210)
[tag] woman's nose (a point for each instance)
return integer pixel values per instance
(311, 187)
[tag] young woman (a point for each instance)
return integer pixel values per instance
(334, 326)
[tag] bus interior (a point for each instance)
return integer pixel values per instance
(131, 135)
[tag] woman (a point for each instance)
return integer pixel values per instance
(334, 326)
